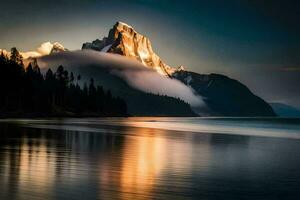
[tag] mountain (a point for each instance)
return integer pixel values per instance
(45, 48)
(124, 40)
(57, 47)
(225, 96)
(283, 110)
(222, 95)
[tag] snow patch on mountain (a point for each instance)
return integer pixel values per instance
(106, 48)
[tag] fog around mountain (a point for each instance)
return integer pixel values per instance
(133, 72)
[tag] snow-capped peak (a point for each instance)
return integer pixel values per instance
(123, 39)
(123, 24)
(57, 47)
(45, 48)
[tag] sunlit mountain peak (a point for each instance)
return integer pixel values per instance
(124, 40)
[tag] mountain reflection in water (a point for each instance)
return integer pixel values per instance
(127, 159)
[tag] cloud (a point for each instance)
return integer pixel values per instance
(133, 72)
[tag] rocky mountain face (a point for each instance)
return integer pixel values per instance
(124, 40)
(223, 96)
(57, 47)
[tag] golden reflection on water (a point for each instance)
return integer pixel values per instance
(133, 169)
(37, 166)
(146, 158)
(142, 162)
(31, 168)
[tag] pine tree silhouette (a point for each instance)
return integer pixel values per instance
(30, 93)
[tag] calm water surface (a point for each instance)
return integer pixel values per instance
(150, 158)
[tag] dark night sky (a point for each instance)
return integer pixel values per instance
(254, 41)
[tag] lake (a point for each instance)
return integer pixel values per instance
(150, 158)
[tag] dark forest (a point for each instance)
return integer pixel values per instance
(27, 92)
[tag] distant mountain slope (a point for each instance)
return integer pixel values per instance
(284, 110)
(225, 96)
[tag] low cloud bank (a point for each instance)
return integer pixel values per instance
(134, 73)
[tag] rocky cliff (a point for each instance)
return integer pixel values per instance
(124, 40)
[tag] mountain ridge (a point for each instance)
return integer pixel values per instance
(225, 96)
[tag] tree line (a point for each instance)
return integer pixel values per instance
(26, 91)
